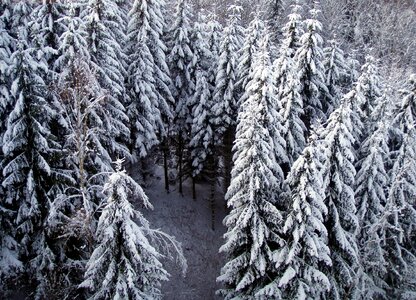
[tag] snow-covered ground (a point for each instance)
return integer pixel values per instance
(190, 222)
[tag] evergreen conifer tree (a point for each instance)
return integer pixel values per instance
(341, 221)
(307, 251)
(202, 133)
(103, 36)
(226, 93)
(27, 174)
(274, 15)
(20, 19)
(336, 69)
(288, 89)
(181, 60)
(309, 59)
(370, 193)
(148, 76)
(252, 240)
(369, 85)
(124, 264)
(46, 16)
(253, 33)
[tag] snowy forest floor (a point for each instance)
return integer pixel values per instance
(190, 222)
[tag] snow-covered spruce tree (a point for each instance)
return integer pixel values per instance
(181, 60)
(336, 69)
(214, 37)
(19, 20)
(355, 97)
(274, 17)
(370, 86)
(27, 175)
(252, 35)
(371, 194)
(262, 87)
(253, 238)
(288, 89)
(124, 264)
(341, 221)
(226, 93)
(309, 59)
(202, 134)
(72, 41)
(104, 35)
(8, 245)
(354, 66)
(306, 253)
(5, 55)
(46, 16)
(400, 222)
(148, 77)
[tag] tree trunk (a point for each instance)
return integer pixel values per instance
(212, 204)
(180, 163)
(165, 149)
(228, 157)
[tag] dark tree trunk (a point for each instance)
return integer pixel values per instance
(180, 162)
(165, 149)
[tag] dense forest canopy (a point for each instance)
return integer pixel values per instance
(299, 115)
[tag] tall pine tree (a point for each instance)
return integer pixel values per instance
(253, 239)
(309, 59)
(341, 221)
(288, 89)
(27, 173)
(306, 253)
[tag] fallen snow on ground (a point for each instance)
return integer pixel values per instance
(190, 222)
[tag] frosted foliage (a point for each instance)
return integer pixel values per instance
(214, 37)
(274, 14)
(46, 17)
(261, 87)
(103, 37)
(148, 75)
(292, 31)
(84, 106)
(288, 88)
(341, 221)
(226, 93)
(336, 70)
(27, 173)
(369, 85)
(72, 42)
(5, 54)
(370, 194)
(202, 127)
(9, 263)
(19, 19)
(306, 252)
(181, 60)
(252, 239)
(311, 70)
(254, 32)
(406, 117)
(400, 220)
(124, 264)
